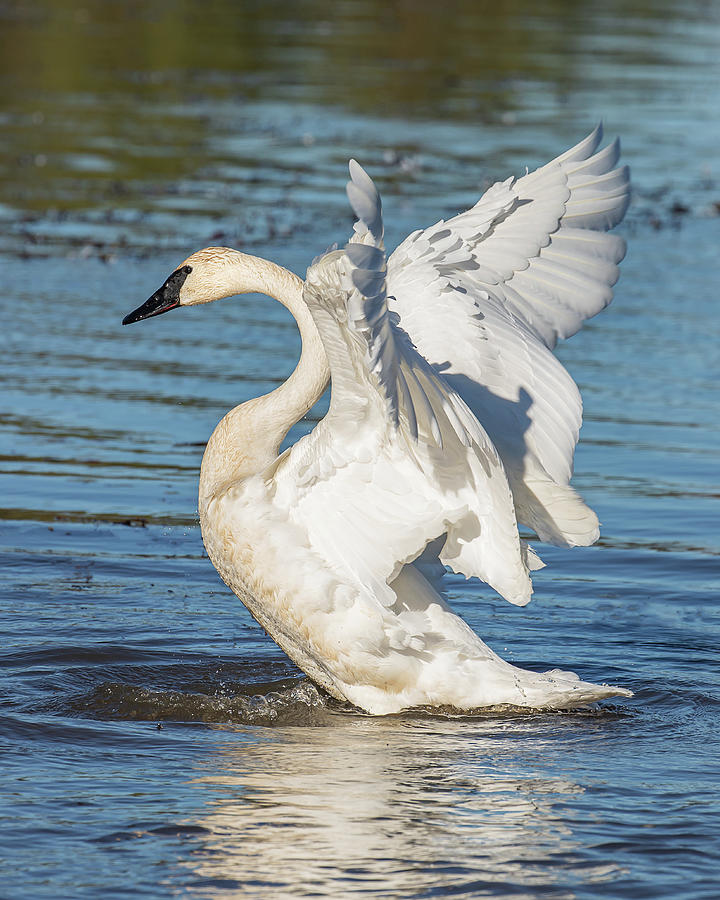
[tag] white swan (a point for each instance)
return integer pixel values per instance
(450, 422)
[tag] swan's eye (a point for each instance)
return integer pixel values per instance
(186, 269)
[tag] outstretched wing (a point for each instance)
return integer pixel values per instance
(485, 296)
(399, 460)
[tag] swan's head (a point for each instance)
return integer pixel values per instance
(207, 275)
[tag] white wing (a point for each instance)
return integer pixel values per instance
(484, 297)
(399, 460)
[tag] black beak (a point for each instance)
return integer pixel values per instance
(163, 300)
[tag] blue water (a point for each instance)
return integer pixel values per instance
(153, 741)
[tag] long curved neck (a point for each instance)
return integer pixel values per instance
(248, 438)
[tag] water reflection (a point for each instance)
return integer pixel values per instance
(407, 808)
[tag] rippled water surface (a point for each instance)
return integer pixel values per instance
(154, 742)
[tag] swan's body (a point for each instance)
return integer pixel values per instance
(450, 421)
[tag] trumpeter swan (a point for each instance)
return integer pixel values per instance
(450, 422)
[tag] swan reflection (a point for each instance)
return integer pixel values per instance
(402, 808)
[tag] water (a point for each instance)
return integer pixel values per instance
(154, 742)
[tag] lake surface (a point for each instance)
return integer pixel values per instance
(153, 742)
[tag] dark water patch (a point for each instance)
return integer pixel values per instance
(636, 548)
(139, 830)
(281, 704)
(37, 426)
(58, 467)
(157, 669)
(75, 517)
(19, 733)
(51, 657)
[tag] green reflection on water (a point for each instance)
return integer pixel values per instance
(402, 56)
(109, 103)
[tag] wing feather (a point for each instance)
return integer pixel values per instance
(486, 295)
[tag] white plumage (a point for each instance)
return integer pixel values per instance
(450, 422)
